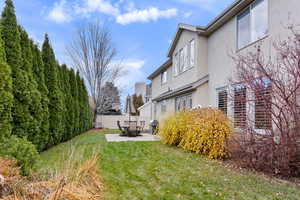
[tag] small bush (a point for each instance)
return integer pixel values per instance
(204, 131)
(21, 150)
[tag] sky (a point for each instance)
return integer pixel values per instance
(142, 30)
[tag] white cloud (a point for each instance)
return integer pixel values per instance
(102, 6)
(133, 67)
(187, 14)
(147, 15)
(210, 5)
(123, 12)
(59, 12)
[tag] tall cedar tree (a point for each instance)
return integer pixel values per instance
(67, 102)
(80, 103)
(35, 108)
(56, 126)
(61, 84)
(22, 118)
(6, 97)
(38, 71)
(75, 105)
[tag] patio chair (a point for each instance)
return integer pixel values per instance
(133, 129)
(123, 130)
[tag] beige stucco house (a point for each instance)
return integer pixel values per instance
(199, 63)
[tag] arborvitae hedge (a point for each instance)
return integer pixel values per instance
(56, 109)
(41, 102)
(38, 72)
(73, 84)
(6, 97)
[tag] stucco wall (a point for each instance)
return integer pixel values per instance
(110, 121)
(200, 97)
(191, 75)
(146, 110)
(223, 43)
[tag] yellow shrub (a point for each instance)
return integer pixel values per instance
(173, 127)
(204, 131)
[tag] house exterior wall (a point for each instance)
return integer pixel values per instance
(213, 55)
(223, 43)
(182, 79)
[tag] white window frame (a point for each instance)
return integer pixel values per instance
(192, 53)
(164, 77)
(250, 7)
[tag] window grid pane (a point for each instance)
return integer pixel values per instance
(263, 116)
(222, 101)
(240, 107)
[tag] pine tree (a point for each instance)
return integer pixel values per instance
(75, 105)
(38, 74)
(6, 97)
(22, 98)
(56, 126)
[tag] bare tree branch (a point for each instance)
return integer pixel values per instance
(92, 53)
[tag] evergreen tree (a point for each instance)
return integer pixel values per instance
(6, 97)
(35, 107)
(22, 98)
(38, 73)
(68, 101)
(75, 105)
(80, 103)
(56, 126)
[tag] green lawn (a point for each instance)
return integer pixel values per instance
(150, 170)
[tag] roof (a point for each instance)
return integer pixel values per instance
(182, 90)
(216, 23)
(163, 67)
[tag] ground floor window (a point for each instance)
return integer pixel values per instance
(239, 106)
(183, 102)
(263, 116)
(222, 100)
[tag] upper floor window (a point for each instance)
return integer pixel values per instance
(252, 24)
(192, 53)
(164, 77)
(184, 58)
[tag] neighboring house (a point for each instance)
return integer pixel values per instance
(143, 89)
(199, 63)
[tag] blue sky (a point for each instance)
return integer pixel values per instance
(141, 29)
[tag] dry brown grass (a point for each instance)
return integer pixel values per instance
(83, 183)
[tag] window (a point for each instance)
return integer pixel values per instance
(222, 100)
(239, 106)
(176, 64)
(184, 58)
(163, 106)
(192, 53)
(181, 60)
(263, 116)
(164, 77)
(252, 24)
(183, 103)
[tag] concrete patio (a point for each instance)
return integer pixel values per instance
(143, 137)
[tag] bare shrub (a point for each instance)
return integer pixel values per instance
(270, 126)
